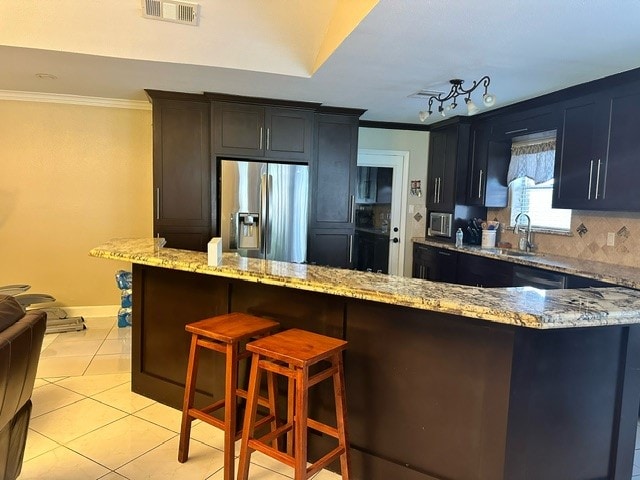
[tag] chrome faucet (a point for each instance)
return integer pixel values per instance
(524, 243)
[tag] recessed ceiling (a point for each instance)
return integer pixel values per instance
(363, 54)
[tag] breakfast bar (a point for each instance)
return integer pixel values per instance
(443, 381)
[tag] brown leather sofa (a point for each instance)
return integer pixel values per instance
(21, 337)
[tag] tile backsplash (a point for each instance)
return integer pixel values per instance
(588, 237)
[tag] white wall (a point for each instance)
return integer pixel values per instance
(417, 144)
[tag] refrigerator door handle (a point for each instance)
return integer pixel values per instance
(264, 195)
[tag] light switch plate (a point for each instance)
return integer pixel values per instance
(611, 239)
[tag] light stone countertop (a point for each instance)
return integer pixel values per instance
(605, 272)
(524, 306)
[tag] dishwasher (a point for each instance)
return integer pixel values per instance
(534, 277)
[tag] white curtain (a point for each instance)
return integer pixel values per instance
(532, 160)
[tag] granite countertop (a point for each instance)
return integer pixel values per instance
(522, 306)
(604, 272)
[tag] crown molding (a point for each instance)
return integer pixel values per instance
(73, 100)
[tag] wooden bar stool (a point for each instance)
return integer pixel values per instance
(291, 353)
(224, 334)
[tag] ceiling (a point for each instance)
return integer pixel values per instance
(370, 54)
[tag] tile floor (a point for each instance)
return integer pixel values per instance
(87, 424)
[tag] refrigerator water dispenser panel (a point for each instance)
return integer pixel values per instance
(248, 231)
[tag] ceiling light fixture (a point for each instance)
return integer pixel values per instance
(488, 99)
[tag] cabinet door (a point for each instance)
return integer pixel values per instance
(619, 188)
(484, 272)
(488, 166)
(579, 168)
(289, 133)
(435, 169)
(435, 264)
(182, 173)
(331, 247)
(238, 129)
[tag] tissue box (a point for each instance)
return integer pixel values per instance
(214, 248)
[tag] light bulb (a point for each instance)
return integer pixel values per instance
(489, 99)
(471, 107)
(423, 115)
(441, 110)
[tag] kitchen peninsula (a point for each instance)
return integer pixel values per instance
(443, 381)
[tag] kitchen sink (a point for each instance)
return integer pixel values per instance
(514, 253)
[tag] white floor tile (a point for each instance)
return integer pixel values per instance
(37, 445)
(50, 397)
(86, 334)
(161, 463)
(61, 464)
(75, 420)
(119, 333)
(210, 435)
(92, 384)
(48, 338)
(115, 345)
(101, 364)
(71, 348)
(100, 322)
(162, 415)
(113, 476)
(62, 366)
(123, 398)
(120, 442)
(256, 472)
(40, 382)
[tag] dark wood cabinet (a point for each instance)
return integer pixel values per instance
(182, 170)
(448, 152)
(371, 251)
(257, 131)
(333, 181)
(488, 166)
(596, 162)
(483, 272)
(435, 264)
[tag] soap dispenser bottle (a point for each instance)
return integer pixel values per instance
(459, 236)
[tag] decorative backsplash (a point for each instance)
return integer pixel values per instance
(588, 238)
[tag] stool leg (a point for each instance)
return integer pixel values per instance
(272, 392)
(189, 391)
(341, 414)
(250, 413)
(300, 423)
(291, 409)
(230, 408)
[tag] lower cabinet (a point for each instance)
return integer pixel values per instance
(436, 264)
(371, 252)
(445, 265)
(483, 272)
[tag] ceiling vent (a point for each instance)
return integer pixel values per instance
(174, 11)
(425, 94)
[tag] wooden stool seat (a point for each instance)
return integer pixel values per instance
(291, 353)
(225, 334)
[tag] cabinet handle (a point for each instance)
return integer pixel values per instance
(435, 190)
(350, 249)
(352, 209)
(590, 179)
(480, 184)
(598, 179)
(157, 203)
(260, 138)
(518, 130)
(268, 137)
(446, 254)
(439, 183)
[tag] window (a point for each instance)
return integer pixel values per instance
(531, 184)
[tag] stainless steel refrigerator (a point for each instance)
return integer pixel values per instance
(264, 209)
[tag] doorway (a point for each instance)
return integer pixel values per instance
(380, 210)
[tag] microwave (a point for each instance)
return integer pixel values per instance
(439, 224)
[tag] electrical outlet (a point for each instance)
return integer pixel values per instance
(611, 239)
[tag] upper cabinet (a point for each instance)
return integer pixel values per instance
(490, 152)
(256, 131)
(181, 170)
(448, 157)
(596, 159)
